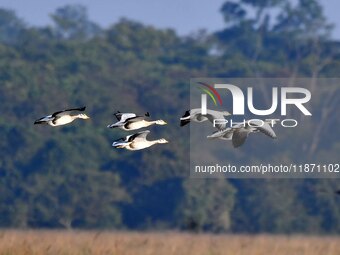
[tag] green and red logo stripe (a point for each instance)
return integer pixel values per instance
(212, 92)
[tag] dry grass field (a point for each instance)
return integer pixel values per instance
(121, 243)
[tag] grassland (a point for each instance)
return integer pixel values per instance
(122, 243)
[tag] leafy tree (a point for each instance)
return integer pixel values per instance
(72, 22)
(11, 27)
(206, 205)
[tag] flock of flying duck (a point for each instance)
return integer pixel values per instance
(137, 141)
(125, 121)
(130, 121)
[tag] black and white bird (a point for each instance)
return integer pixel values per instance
(239, 133)
(130, 121)
(136, 141)
(63, 117)
(197, 116)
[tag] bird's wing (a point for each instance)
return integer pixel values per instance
(68, 111)
(193, 113)
(267, 130)
(186, 115)
(184, 122)
(122, 117)
(140, 136)
(196, 115)
(228, 135)
(221, 133)
(239, 137)
(219, 114)
(216, 115)
(118, 115)
(44, 119)
(123, 139)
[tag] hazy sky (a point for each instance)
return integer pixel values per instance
(183, 15)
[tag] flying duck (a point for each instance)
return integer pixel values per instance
(196, 115)
(239, 133)
(63, 117)
(136, 141)
(130, 121)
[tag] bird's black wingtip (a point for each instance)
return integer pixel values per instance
(186, 114)
(184, 122)
(147, 114)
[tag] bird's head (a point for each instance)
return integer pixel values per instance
(83, 116)
(162, 140)
(161, 122)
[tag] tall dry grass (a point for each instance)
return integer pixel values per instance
(14, 242)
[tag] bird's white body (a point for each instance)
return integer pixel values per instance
(141, 124)
(239, 133)
(62, 117)
(66, 119)
(136, 141)
(134, 146)
(129, 121)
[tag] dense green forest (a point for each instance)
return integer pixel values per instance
(71, 177)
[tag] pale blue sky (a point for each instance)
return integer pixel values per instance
(185, 16)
